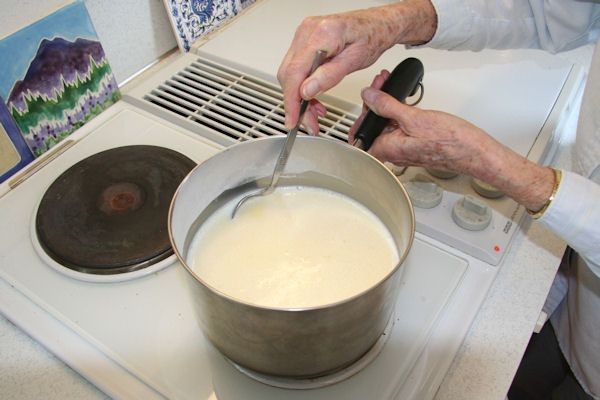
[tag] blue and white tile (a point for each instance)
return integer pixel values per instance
(192, 19)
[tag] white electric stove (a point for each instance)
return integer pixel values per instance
(137, 337)
(140, 327)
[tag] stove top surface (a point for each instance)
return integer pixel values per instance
(146, 326)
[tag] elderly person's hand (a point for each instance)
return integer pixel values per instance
(442, 141)
(352, 40)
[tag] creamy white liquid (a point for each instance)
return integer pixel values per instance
(297, 247)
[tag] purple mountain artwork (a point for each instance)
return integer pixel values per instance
(67, 83)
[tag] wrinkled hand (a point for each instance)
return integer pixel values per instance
(422, 137)
(439, 140)
(352, 40)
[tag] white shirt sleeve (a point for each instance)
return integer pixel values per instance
(550, 25)
(574, 215)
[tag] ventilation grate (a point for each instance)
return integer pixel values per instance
(234, 103)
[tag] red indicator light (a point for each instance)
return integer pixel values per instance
(496, 248)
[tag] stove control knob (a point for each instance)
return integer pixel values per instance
(442, 174)
(485, 189)
(471, 213)
(423, 192)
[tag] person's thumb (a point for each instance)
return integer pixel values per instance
(325, 77)
(384, 105)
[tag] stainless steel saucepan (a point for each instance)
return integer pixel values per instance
(297, 342)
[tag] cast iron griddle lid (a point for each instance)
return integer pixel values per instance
(108, 213)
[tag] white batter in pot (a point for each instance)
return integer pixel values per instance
(297, 247)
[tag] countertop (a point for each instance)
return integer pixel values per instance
(482, 369)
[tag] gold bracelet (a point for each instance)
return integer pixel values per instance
(557, 177)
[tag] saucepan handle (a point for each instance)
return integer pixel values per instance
(403, 82)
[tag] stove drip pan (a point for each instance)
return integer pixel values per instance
(326, 380)
(106, 217)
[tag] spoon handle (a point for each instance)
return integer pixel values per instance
(291, 136)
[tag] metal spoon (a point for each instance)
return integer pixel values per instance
(287, 146)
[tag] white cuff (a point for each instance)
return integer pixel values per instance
(574, 215)
(454, 24)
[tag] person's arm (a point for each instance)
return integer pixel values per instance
(439, 140)
(352, 40)
(443, 141)
(550, 25)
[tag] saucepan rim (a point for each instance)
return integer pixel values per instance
(227, 297)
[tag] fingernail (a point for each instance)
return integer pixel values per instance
(309, 130)
(311, 89)
(368, 94)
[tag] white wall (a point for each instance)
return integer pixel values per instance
(133, 32)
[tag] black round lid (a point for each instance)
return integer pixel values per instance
(108, 213)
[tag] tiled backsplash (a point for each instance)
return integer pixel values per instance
(192, 19)
(54, 77)
(14, 153)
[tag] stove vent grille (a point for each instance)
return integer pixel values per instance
(235, 104)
